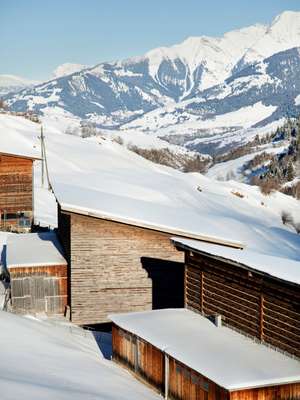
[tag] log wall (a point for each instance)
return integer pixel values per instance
(15, 188)
(39, 289)
(106, 270)
(253, 303)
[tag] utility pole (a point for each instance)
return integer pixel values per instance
(44, 160)
(42, 154)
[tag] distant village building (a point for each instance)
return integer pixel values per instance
(185, 356)
(38, 273)
(117, 261)
(16, 192)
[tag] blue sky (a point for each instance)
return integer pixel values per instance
(38, 35)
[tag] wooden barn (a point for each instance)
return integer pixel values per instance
(186, 356)
(120, 261)
(16, 192)
(38, 273)
(259, 295)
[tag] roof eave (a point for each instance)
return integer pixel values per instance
(158, 228)
(34, 158)
(185, 247)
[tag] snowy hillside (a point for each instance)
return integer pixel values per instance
(12, 83)
(45, 359)
(246, 78)
(118, 181)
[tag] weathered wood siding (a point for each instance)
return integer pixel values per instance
(253, 303)
(183, 383)
(124, 347)
(15, 187)
(15, 184)
(39, 289)
(106, 270)
(281, 392)
(187, 384)
(145, 360)
(64, 231)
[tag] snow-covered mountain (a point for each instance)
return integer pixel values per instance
(282, 34)
(12, 83)
(187, 93)
(256, 96)
(67, 69)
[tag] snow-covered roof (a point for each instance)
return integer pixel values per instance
(33, 249)
(137, 212)
(15, 153)
(278, 267)
(224, 356)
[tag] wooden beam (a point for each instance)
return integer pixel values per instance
(261, 325)
(202, 292)
(167, 376)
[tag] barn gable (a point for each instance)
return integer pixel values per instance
(38, 273)
(16, 193)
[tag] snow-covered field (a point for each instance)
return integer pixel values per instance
(47, 360)
(234, 169)
(169, 120)
(102, 175)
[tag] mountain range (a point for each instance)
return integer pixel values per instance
(205, 93)
(13, 83)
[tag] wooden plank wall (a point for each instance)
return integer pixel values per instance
(150, 364)
(15, 184)
(257, 305)
(64, 231)
(184, 383)
(187, 384)
(39, 289)
(282, 392)
(107, 274)
(124, 347)
(145, 360)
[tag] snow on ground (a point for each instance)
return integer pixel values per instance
(45, 206)
(143, 140)
(44, 360)
(170, 120)
(221, 138)
(107, 177)
(233, 169)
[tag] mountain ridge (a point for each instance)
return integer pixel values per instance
(221, 72)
